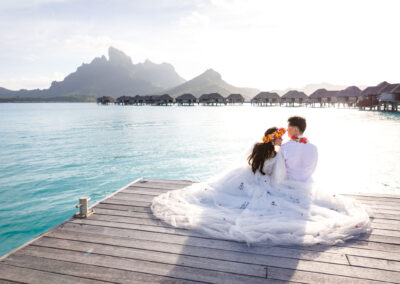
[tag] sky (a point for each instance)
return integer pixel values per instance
(262, 44)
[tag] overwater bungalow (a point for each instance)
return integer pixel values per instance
(105, 100)
(389, 98)
(186, 99)
(163, 100)
(369, 96)
(137, 100)
(212, 99)
(265, 98)
(235, 99)
(123, 100)
(348, 96)
(292, 97)
(323, 97)
(152, 100)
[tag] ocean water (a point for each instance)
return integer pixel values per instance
(51, 154)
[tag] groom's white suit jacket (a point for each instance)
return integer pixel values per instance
(300, 160)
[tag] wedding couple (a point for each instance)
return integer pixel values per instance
(268, 198)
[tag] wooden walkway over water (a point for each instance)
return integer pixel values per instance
(122, 242)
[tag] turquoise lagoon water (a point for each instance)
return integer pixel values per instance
(51, 154)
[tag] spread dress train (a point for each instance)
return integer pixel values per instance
(254, 208)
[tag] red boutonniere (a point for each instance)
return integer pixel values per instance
(303, 140)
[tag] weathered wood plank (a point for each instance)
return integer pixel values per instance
(239, 255)
(215, 243)
(172, 181)
(374, 263)
(167, 181)
(2, 281)
(141, 219)
(142, 190)
(26, 275)
(312, 277)
(329, 268)
(149, 254)
(120, 207)
(130, 264)
(196, 251)
(133, 196)
(166, 186)
(386, 221)
(376, 250)
(87, 271)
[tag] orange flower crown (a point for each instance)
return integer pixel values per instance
(275, 135)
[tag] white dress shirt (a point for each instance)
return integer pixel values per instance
(300, 160)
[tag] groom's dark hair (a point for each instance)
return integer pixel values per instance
(299, 122)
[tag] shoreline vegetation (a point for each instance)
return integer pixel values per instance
(62, 99)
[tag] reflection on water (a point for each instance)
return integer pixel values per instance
(51, 154)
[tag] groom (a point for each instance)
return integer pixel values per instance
(300, 155)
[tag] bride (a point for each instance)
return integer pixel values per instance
(256, 201)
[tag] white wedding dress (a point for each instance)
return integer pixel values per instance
(254, 208)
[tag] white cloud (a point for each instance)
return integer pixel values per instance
(255, 43)
(24, 4)
(35, 82)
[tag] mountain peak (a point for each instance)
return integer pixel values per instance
(118, 57)
(148, 62)
(212, 74)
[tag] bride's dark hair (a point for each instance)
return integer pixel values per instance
(262, 152)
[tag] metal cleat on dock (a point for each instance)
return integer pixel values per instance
(84, 210)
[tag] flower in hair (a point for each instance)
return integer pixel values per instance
(275, 135)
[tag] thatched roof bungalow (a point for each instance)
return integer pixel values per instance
(374, 90)
(124, 100)
(153, 100)
(186, 99)
(323, 93)
(323, 96)
(391, 93)
(105, 100)
(235, 99)
(163, 99)
(369, 96)
(138, 100)
(211, 99)
(349, 95)
(265, 98)
(293, 97)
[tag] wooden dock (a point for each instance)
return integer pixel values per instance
(122, 242)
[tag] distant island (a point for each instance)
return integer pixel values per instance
(118, 76)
